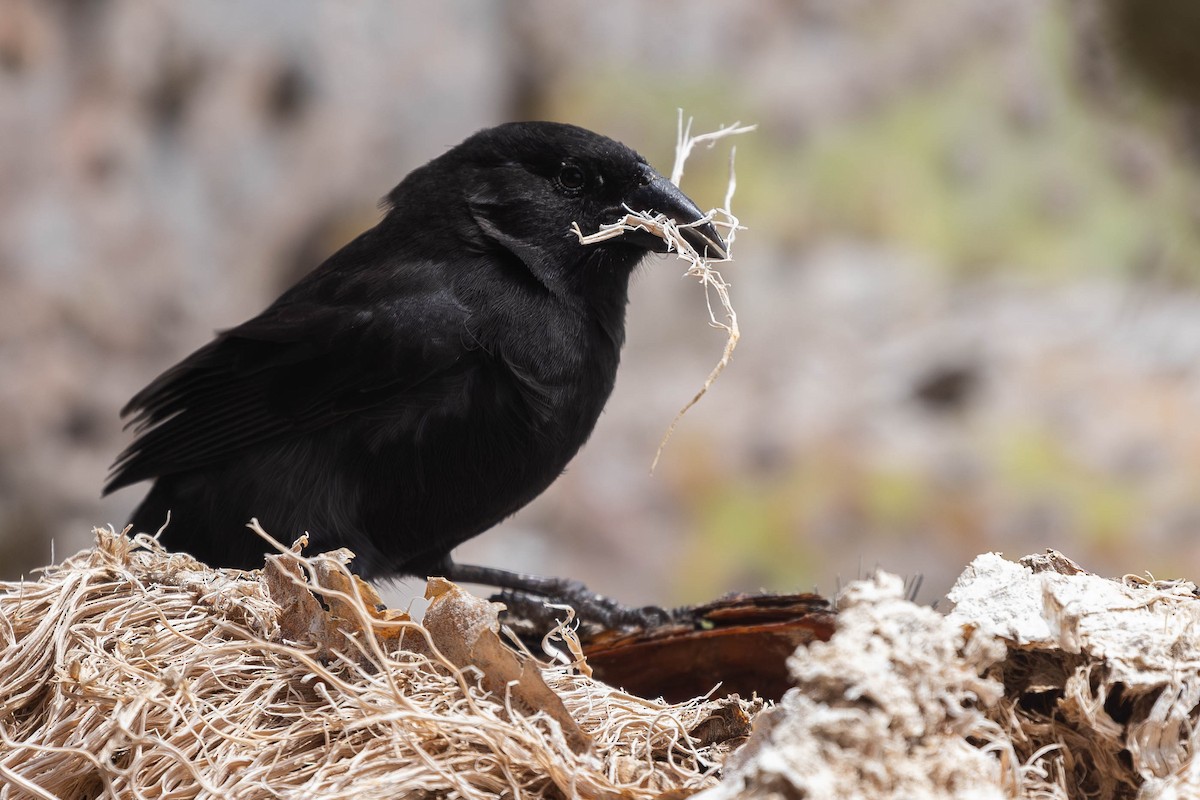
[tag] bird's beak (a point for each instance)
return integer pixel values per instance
(659, 195)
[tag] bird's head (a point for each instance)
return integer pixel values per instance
(525, 184)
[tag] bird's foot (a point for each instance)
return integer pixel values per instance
(589, 607)
(528, 595)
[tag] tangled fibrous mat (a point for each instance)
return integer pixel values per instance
(128, 671)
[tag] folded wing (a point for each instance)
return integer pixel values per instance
(295, 368)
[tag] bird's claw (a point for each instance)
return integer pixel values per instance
(589, 607)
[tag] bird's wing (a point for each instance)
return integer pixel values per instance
(293, 369)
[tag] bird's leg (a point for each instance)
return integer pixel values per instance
(588, 605)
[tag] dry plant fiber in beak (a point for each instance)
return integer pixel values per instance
(700, 265)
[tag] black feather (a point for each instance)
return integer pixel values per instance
(428, 380)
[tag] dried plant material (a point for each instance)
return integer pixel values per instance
(466, 630)
(700, 265)
(1106, 673)
(127, 671)
(1045, 681)
(742, 642)
(331, 621)
(890, 707)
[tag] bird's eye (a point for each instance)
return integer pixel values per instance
(571, 177)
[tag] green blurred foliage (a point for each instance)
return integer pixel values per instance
(768, 531)
(1034, 464)
(1046, 169)
(985, 167)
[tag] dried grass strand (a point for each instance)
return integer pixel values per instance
(129, 672)
(700, 266)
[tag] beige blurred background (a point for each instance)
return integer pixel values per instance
(967, 292)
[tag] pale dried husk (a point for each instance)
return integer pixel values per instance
(128, 671)
(1045, 681)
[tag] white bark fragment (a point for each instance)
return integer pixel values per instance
(890, 707)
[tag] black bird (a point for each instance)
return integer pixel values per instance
(428, 380)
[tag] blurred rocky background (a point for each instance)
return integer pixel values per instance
(967, 292)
